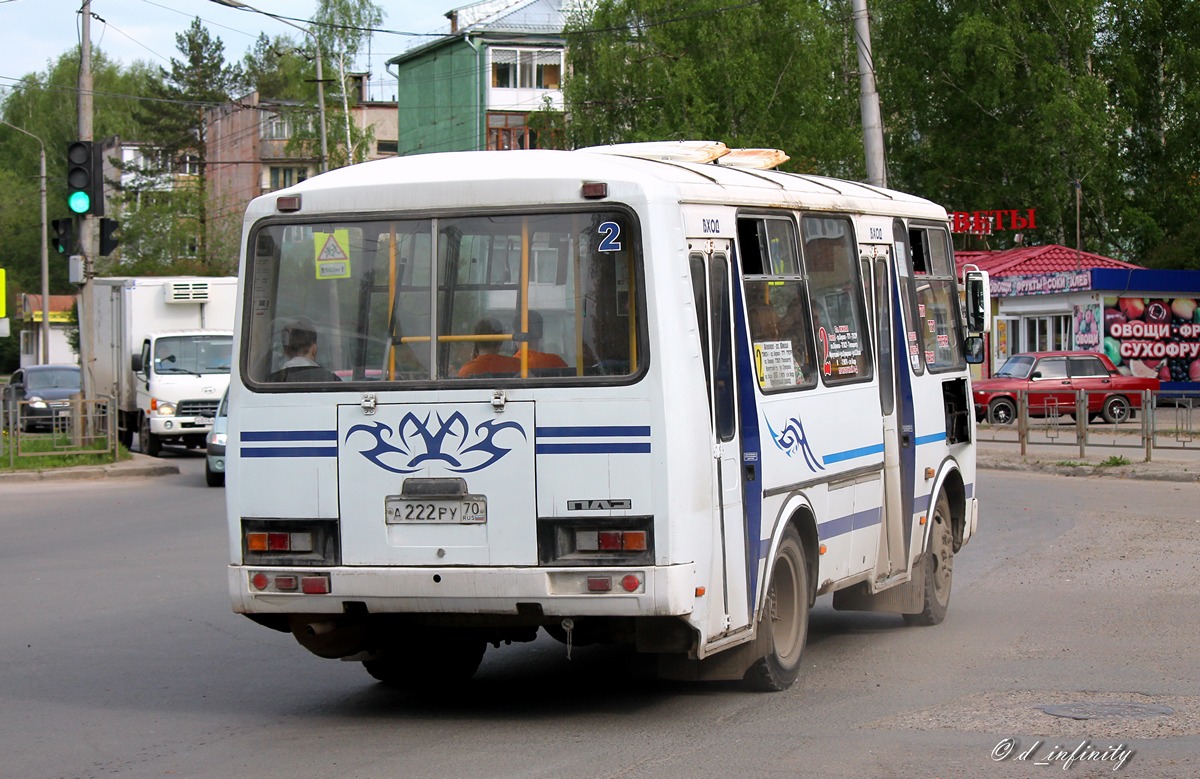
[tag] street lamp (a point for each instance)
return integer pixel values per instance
(45, 250)
(320, 76)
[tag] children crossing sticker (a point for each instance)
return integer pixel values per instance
(332, 254)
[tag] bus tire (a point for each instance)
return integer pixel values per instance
(939, 567)
(785, 616)
(439, 661)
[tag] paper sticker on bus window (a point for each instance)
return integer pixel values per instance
(774, 364)
(932, 323)
(332, 252)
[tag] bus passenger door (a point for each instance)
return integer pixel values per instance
(711, 288)
(895, 399)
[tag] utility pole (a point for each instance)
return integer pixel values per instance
(87, 222)
(868, 97)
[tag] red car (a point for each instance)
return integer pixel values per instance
(1052, 380)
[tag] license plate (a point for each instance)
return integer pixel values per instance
(204, 420)
(468, 510)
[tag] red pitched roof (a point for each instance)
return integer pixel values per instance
(1032, 260)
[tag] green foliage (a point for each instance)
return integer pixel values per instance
(1115, 461)
(341, 28)
(277, 69)
(997, 106)
(776, 74)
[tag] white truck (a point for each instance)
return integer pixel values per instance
(162, 349)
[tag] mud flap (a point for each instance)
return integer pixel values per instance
(726, 666)
(907, 598)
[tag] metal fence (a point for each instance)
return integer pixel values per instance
(1164, 421)
(37, 430)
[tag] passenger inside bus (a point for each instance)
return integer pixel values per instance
(299, 341)
(487, 359)
(533, 339)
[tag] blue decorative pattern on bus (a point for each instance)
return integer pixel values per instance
(932, 438)
(449, 441)
(793, 439)
(617, 439)
(252, 443)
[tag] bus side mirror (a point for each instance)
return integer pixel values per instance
(974, 349)
(979, 300)
(135, 363)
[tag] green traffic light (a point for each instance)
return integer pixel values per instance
(79, 202)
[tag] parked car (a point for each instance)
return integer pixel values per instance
(1052, 380)
(43, 393)
(214, 466)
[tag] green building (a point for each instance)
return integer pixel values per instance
(476, 87)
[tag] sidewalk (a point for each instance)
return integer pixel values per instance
(137, 465)
(1178, 465)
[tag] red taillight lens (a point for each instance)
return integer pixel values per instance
(631, 583)
(260, 581)
(599, 584)
(314, 585)
(286, 583)
(278, 542)
(609, 540)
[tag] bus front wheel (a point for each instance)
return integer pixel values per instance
(785, 618)
(939, 567)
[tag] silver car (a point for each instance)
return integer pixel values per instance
(214, 468)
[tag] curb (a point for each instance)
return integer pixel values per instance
(1150, 472)
(128, 468)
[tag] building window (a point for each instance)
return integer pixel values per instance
(387, 147)
(526, 68)
(282, 177)
(508, 131)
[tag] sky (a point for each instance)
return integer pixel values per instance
(34, 33)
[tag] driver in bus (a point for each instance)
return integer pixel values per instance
(299, 341)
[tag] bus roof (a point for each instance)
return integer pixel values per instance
(456, 180)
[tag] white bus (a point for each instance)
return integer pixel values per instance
(656, 394)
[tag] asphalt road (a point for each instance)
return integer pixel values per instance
(120, 657)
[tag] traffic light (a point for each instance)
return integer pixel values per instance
(62, 234)
(108, 241)
(85, 184)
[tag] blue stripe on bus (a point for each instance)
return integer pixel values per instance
(932, 438)
(289, 435)
(597, 431)
(614, 447)
(850, 454)
(288, 451)
(843, 525)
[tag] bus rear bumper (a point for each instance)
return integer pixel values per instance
(644, 591)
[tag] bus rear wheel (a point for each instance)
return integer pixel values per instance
(436, 661)
(785, 618)
(939, 567)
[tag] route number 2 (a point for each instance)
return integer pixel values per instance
(611, 232)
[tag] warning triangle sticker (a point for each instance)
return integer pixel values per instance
(332, 250)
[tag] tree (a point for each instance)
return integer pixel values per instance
(43, 103)
(174, 123)
(774, 73)
(1150, 56)
(276, 68)
(342, 28)
(997, 106)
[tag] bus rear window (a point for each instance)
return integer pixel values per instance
(524, 297)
